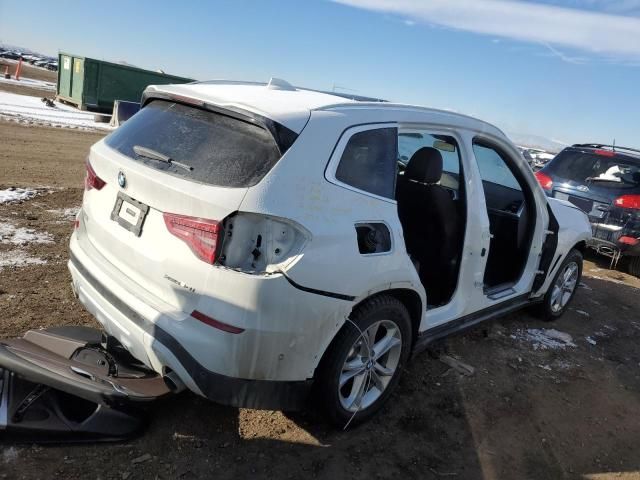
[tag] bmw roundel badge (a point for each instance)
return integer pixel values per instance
(122, 179)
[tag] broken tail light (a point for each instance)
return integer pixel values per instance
(628, 201)
(258, 244)
(201, 235)
(544, 180)
(92, 180)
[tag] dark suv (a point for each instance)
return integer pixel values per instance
(604, 181)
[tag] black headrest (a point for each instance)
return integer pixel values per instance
(425, 166)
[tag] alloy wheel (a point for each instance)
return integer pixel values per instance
(370, 365)
(564, 287)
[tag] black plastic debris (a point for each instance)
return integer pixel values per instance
(72, 384)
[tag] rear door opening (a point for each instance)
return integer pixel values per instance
(432, 209)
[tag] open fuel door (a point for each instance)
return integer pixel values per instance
(72, 383)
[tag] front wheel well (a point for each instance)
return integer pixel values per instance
(581, 246)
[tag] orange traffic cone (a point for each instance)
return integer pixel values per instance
(18, 68)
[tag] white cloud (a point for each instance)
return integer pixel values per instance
(605, 34)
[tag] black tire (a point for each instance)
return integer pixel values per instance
(382, 307)
(634, 266)
(544, 309)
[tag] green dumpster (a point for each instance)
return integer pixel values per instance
(92, 84)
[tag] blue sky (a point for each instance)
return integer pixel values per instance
(566, 70)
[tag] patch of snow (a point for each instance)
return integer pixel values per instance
(563, 365)
(582, 312)
(545, 367)
(585, 286)
(10, 454)
(591, 340)
(542, 338)
(22, 236)
(607, 279)
(13, 194)
(66, 213)
(29, 82)
(31, 109)
(18, 258)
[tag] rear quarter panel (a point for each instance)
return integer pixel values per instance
(297, 189)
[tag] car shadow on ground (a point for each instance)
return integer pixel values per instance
(415, 439)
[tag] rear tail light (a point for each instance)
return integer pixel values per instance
(625, 240)
(544, 180)
(212, 322)
(92, 180)
(201, 235)
(628, 201)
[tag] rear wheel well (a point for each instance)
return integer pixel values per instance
(410, 299)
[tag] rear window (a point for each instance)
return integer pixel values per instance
(221, 150)
(585, 167)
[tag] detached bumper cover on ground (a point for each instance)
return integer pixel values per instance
(72, 383)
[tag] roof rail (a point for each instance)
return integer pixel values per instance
(601, 145)
(226, 82)
(348, 96)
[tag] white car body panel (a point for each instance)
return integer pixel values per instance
(286, 328)
(574, 229)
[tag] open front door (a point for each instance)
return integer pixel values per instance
(516, 217)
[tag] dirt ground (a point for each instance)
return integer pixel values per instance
(526, 413)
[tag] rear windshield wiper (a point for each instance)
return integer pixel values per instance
(153, 155)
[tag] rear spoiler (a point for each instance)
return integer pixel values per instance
(283, 136)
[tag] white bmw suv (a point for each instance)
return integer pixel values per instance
(253, 241)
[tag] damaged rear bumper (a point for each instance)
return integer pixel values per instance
(154, 344)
